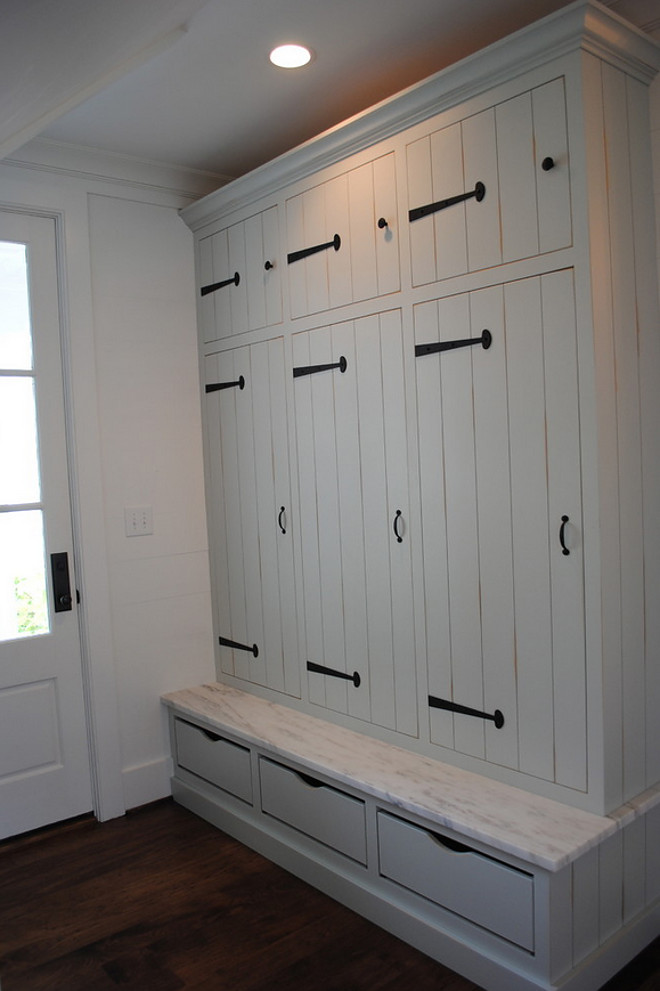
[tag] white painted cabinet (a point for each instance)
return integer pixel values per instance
(470, 555)
(433, 500)
(249, 510)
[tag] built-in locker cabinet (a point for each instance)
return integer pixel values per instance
(491, 188)
(342, 240)
(250, 516)
(240, 277)
(350, 417)
(500, 479)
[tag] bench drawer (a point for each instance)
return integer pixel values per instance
(477, 887)
(212, 757)
(330, 816)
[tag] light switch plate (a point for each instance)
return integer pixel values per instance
(138, 521)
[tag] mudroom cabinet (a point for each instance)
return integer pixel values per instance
(430, 355)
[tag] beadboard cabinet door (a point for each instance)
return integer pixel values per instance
(350, 223)
(250, 515)
(240, 277)
(491, 188)
(356, 557)
(501, 524)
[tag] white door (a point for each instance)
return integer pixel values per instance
(44, 761)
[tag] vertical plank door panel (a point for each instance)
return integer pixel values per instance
(484, 236)
(493, 469)
(398, 499)
(254, 270)
(217, 512)
(351, 532)
(449, 224)
(434, 521)
(529, 493)
(387, 238)
(553, 184)
(237, 294)
(363, 231)
(462, 536)
(517, 174)
(420, 191)
(565, 499)
(309, 541)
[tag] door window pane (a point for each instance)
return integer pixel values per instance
(15, 335)
(23, 602)
(19, 469)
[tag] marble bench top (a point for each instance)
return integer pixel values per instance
(538, 830)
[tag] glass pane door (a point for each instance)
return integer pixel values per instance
(23, 602)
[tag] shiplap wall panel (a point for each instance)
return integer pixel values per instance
(629, 428)
(648, 320)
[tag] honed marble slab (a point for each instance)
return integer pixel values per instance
(538, 830)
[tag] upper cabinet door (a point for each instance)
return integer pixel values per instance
(491, 188)
(350, 414)
(250, 516)
(240, 278)
(342, 239)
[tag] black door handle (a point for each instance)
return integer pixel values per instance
(59, 569)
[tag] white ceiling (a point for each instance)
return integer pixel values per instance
(122, 76)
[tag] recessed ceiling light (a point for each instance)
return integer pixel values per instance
(290, 56)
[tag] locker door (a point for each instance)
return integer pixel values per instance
(500, 469)
(250, 516)
(223, 303)
(357, 579)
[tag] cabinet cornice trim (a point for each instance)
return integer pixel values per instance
(584, 25)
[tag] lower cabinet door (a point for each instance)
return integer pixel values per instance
(483, 890)
(330, 816)
(250, 516)
(351, 434)
(210, 756)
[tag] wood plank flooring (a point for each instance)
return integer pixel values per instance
(160, 901)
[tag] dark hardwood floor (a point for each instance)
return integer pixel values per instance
(160, 900)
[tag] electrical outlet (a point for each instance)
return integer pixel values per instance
(138, 521)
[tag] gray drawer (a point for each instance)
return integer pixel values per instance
(213, 758)
(324, 813)
(477, 887)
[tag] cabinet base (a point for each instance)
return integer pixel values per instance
(356, 889)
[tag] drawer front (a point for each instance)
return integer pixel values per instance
(327, 815)
(215, 759)
(484, 891)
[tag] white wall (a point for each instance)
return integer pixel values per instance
(134, 400)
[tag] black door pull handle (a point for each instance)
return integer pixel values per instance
(59, 569)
